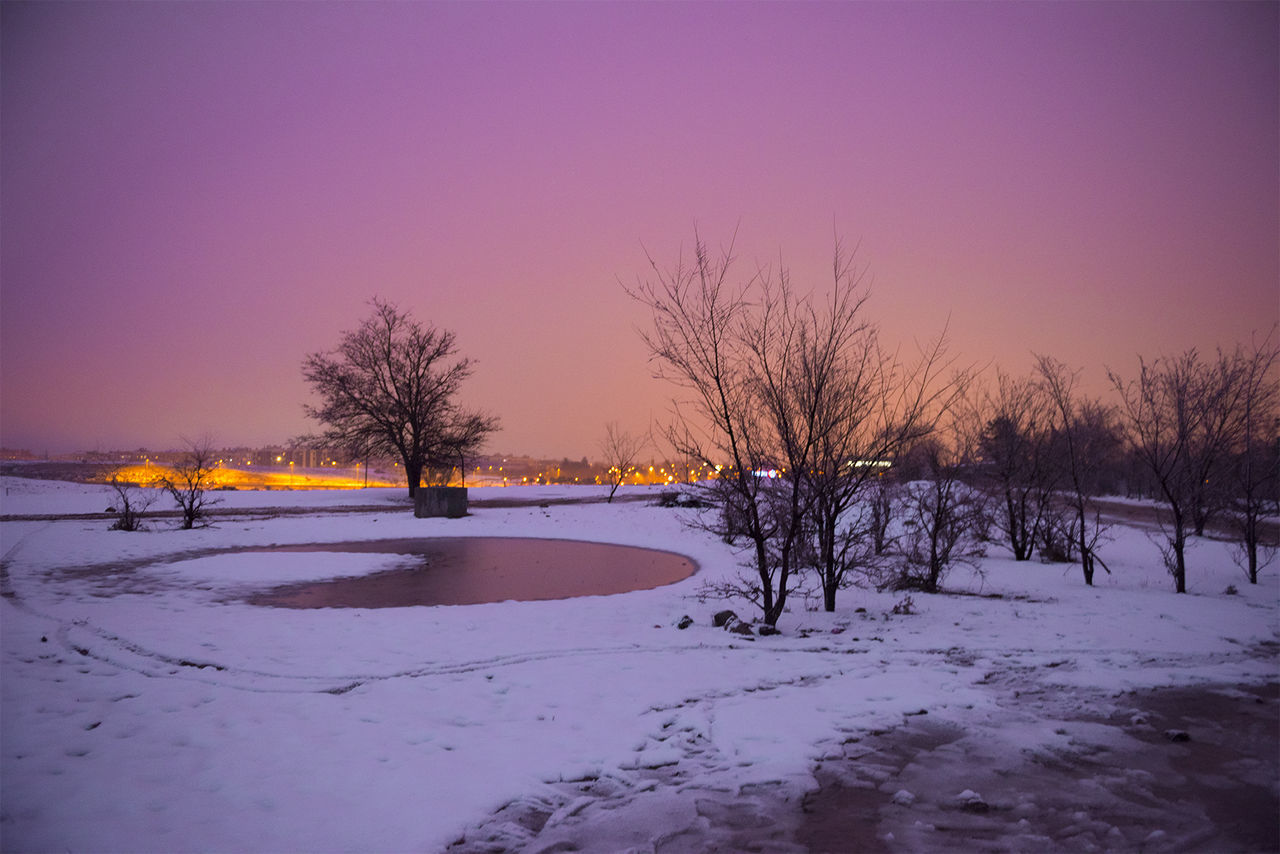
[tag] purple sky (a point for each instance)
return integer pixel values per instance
(195, 196)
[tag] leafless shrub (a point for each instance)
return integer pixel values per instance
(191, 477)
(946, 524)
(132, 501)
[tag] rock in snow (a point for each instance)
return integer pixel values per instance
(971, 801)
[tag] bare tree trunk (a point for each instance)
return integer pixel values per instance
(1179, 555)
(413, 471)
(881, 511)
(1086, 553)
(1251, 548)
(1020, 539)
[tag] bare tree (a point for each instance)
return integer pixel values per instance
(795, 403)
(866, 407)
(621, 449)
(1254, 472)
(945, 520)
(1183, 416)
(1015, 443)
(390, 387)
(190, 479)
(865, 540)
(131, 503)
(706, 339)
(881, 504)
(800, 352)
(1084, 430)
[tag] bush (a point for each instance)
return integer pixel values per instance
(679, 498)
(905, 605)
(131, 503)
(946, 524)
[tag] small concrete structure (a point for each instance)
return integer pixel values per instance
(447, 501)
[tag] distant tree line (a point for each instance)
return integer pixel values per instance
(844, 463)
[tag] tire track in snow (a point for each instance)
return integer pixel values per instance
(87, 640)
(83, 638)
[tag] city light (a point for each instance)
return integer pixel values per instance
(308, 468)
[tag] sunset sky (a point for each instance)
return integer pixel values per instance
(194, 196)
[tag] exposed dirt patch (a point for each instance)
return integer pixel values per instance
(1121, 781)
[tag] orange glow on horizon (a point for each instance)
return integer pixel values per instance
(224, 477)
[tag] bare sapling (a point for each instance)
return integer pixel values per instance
(621, 451)
(1085, 439)
(190, 479)
(1184, 418)
(1015, 443)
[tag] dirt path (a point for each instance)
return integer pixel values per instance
(1151, 516)
(1056, 770)
(1124, 780)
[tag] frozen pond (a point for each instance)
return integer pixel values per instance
(471, 570)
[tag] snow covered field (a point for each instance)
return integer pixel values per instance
(145, 707)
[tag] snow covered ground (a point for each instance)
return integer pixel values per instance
(145, 707)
